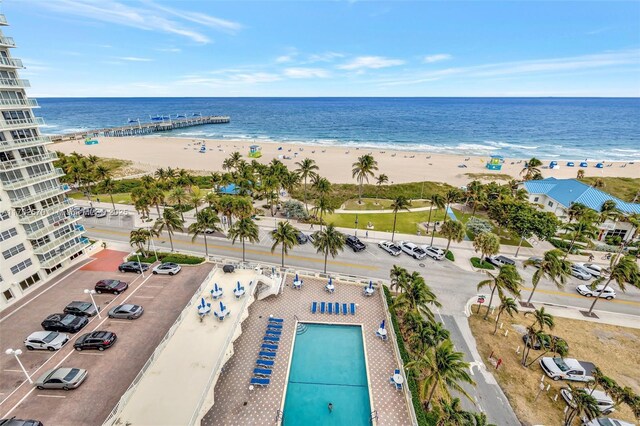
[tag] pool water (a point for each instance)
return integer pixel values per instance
(328, 366)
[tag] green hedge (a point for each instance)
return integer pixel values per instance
(450, 256)
(564, 245)
(424, 418)
(181, 259)
(481, 264)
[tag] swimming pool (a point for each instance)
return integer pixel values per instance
(328, 366)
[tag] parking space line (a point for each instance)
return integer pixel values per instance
(52, 396)
(14, 371)
(155, 286)
(89, 353)
(145, 297)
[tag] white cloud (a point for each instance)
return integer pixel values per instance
(437, 58)
(134, 59)
(372, 62)
(169, 49)
(324, 57)
(306, 73)
(228, 77)
(201, 18)
(284, 58)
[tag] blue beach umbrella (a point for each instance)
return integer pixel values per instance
(215, 287)
(222, 308)
(202, 303)
(330, 281)
(382, 325)
(297, 279)
(370, 284)
(238, 286)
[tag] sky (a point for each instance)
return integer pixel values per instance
(131, 48)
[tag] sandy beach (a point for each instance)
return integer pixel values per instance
(150, 153)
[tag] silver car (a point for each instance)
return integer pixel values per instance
(580, 273)
(168, 268)
(62, 378)
(127, 311)
(48, 340)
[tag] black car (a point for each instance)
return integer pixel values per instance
(302, 239)
(133, 267)
(99, 340)
(66, 323)
(227, 269)
(19, 422)
(81, 309)
(89, 212)
(545, 343)
(353, 242)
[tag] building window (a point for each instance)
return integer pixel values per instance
(21, 266)
(25, 284)
(13, 251)
(550, 203)
(535, 200)
(4, 216)
(50, 270)
(5, 235)
(7, 295)
(616, 233)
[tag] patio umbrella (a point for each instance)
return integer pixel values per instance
(297, 277)
(330, 280)
(371, 284)
(202, 303)
(238, 287)
(382, 325)
(222, 308)
(215, 287)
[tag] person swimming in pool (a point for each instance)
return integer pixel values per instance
(330, 407)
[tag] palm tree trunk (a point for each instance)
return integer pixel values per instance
(283, 255)
(180, 207)
(433, 389)
(448, 244)
(446, 213)
(243, 250)
(473, 213)
(493, 290)
(429, 221)
(519, 245)
(360, 192)
(170, 241)
(112, 203)
(326, 255)
(306, 206)
(495, 330)
(570, 246)
(537, 358)
(531, 295)
(158, 209)
(393, 234)
(206, 248)
(599, 293)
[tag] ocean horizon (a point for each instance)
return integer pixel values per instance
(600, 129)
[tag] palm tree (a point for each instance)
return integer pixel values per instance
(480, 419)
(323, 206)
(487, 244)
(362, 170)
(171, 221)
(576, 211)
(109, 185)
(195, 197)
(443, 369)
(178, 195)
(398, 276)
(508, 305)
(138, 238)
(244, 229)
(508, 279)
(212, 198)
(450, 413)
(417, 297)
(453, 230)
(623, 272)
(329, 242)
(286, 235)
(438, 201)
(435, 333)
(452, 196)
(307, 170)
(580, 174)
(584, 405)
(156, 197)
(551, 267)
(400, 203)
(381, 180)
(608, 210)
(206, 221)
(531, 169)
(535, 331)
(581, 228)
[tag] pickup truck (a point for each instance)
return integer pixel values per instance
(353, 242)
(567, 369)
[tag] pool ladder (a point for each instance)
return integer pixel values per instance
(374, 416)
(301, 328)
(280, 417)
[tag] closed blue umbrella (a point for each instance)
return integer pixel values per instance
(297, 279)
(221, 307)
(371, 284)
(238, 287)
(382, 325)
(215, 287)
(202, 303)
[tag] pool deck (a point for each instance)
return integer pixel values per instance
(235, 404)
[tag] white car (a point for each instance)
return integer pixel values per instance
(48, 340)
(412, 250)
(586, 290)
(392, 248)
(433, 252)
(605, 403)
(101, 213)
(605, 421)
(580, 273)
(168, 268)
(593, 269)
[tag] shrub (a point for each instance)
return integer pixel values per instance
(181, 259)
(564, 245)
(481, 264)
(478, 226)
(295, 210)
(450, 256)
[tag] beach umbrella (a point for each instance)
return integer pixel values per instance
(297, 279)
(202, 303)
(330, 281)
(238, 286)
(215, 287)
(382, 325)
(221, 307)
(371, 284)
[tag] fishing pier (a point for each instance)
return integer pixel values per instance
(139, 128)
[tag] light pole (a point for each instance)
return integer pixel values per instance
(356, 233)
(140, 264)
(91, 293)
(153, 244)
(15, 353)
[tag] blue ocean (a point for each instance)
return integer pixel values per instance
(562, 128)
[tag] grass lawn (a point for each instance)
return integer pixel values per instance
(407, 222)
(612, 348)
(489, 176)
(505, 236)
(122, 198)
(378, 204)
(624, 188)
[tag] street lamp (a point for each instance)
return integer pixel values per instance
(140, 264)
(356, 233)
(15, 353)
(91, 293)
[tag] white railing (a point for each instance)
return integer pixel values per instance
(7, 41)
(46, 248)
(39, 233)
(3, 19)
(35, 215)
(11, 62)
(21, 123)
(28, 161)
(22, 202)
(31, 180)
(111, 418)
(19, 103)
(14, 82)
(47, 263)
(25, 142)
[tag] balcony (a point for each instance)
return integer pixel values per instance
(28, 161)
(7, 41)
(46, 248)
(14, 83)
(24, 143)
(3, 19)
(18, 103)
(10, 63)
(27, 218)
(52, 261)
(21, 123)
(23, 202)
(32, 180)
(39, 233)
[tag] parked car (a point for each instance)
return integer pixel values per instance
(67, 323)
(586, 290)
(545, 343)
(61, 378)
(536, 261)
(412, 250)
(227, 269)
(168, 268)
(392, 248)
(89, 212)
(302, 239)
(127, 311)
(77, 210)
(595, 270)
(20, 422)
(606, 421)
(99, 340)
(433, 252)
(605, 403)
(136, 267)
(355, 243)
(81, 309)
(111, 286)
(500, 261)
(567, 369)
(209, 231)
(580, 273)
(48, 340)
(100, 213)
(311, 237)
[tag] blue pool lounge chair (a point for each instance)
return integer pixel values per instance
(337, 308)
(322, 307)
(352, 308)
(278, 320)
(329, 308)
(268, 347)
(314, 307)
(271, 339)
(265, 354)
(261, 372)
(260, 381)
(275, 326)
(344, 309)
(265, 362)
(273, 332)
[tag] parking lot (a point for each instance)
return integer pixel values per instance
(109, 372)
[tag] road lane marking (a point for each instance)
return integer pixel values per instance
(579, 296)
